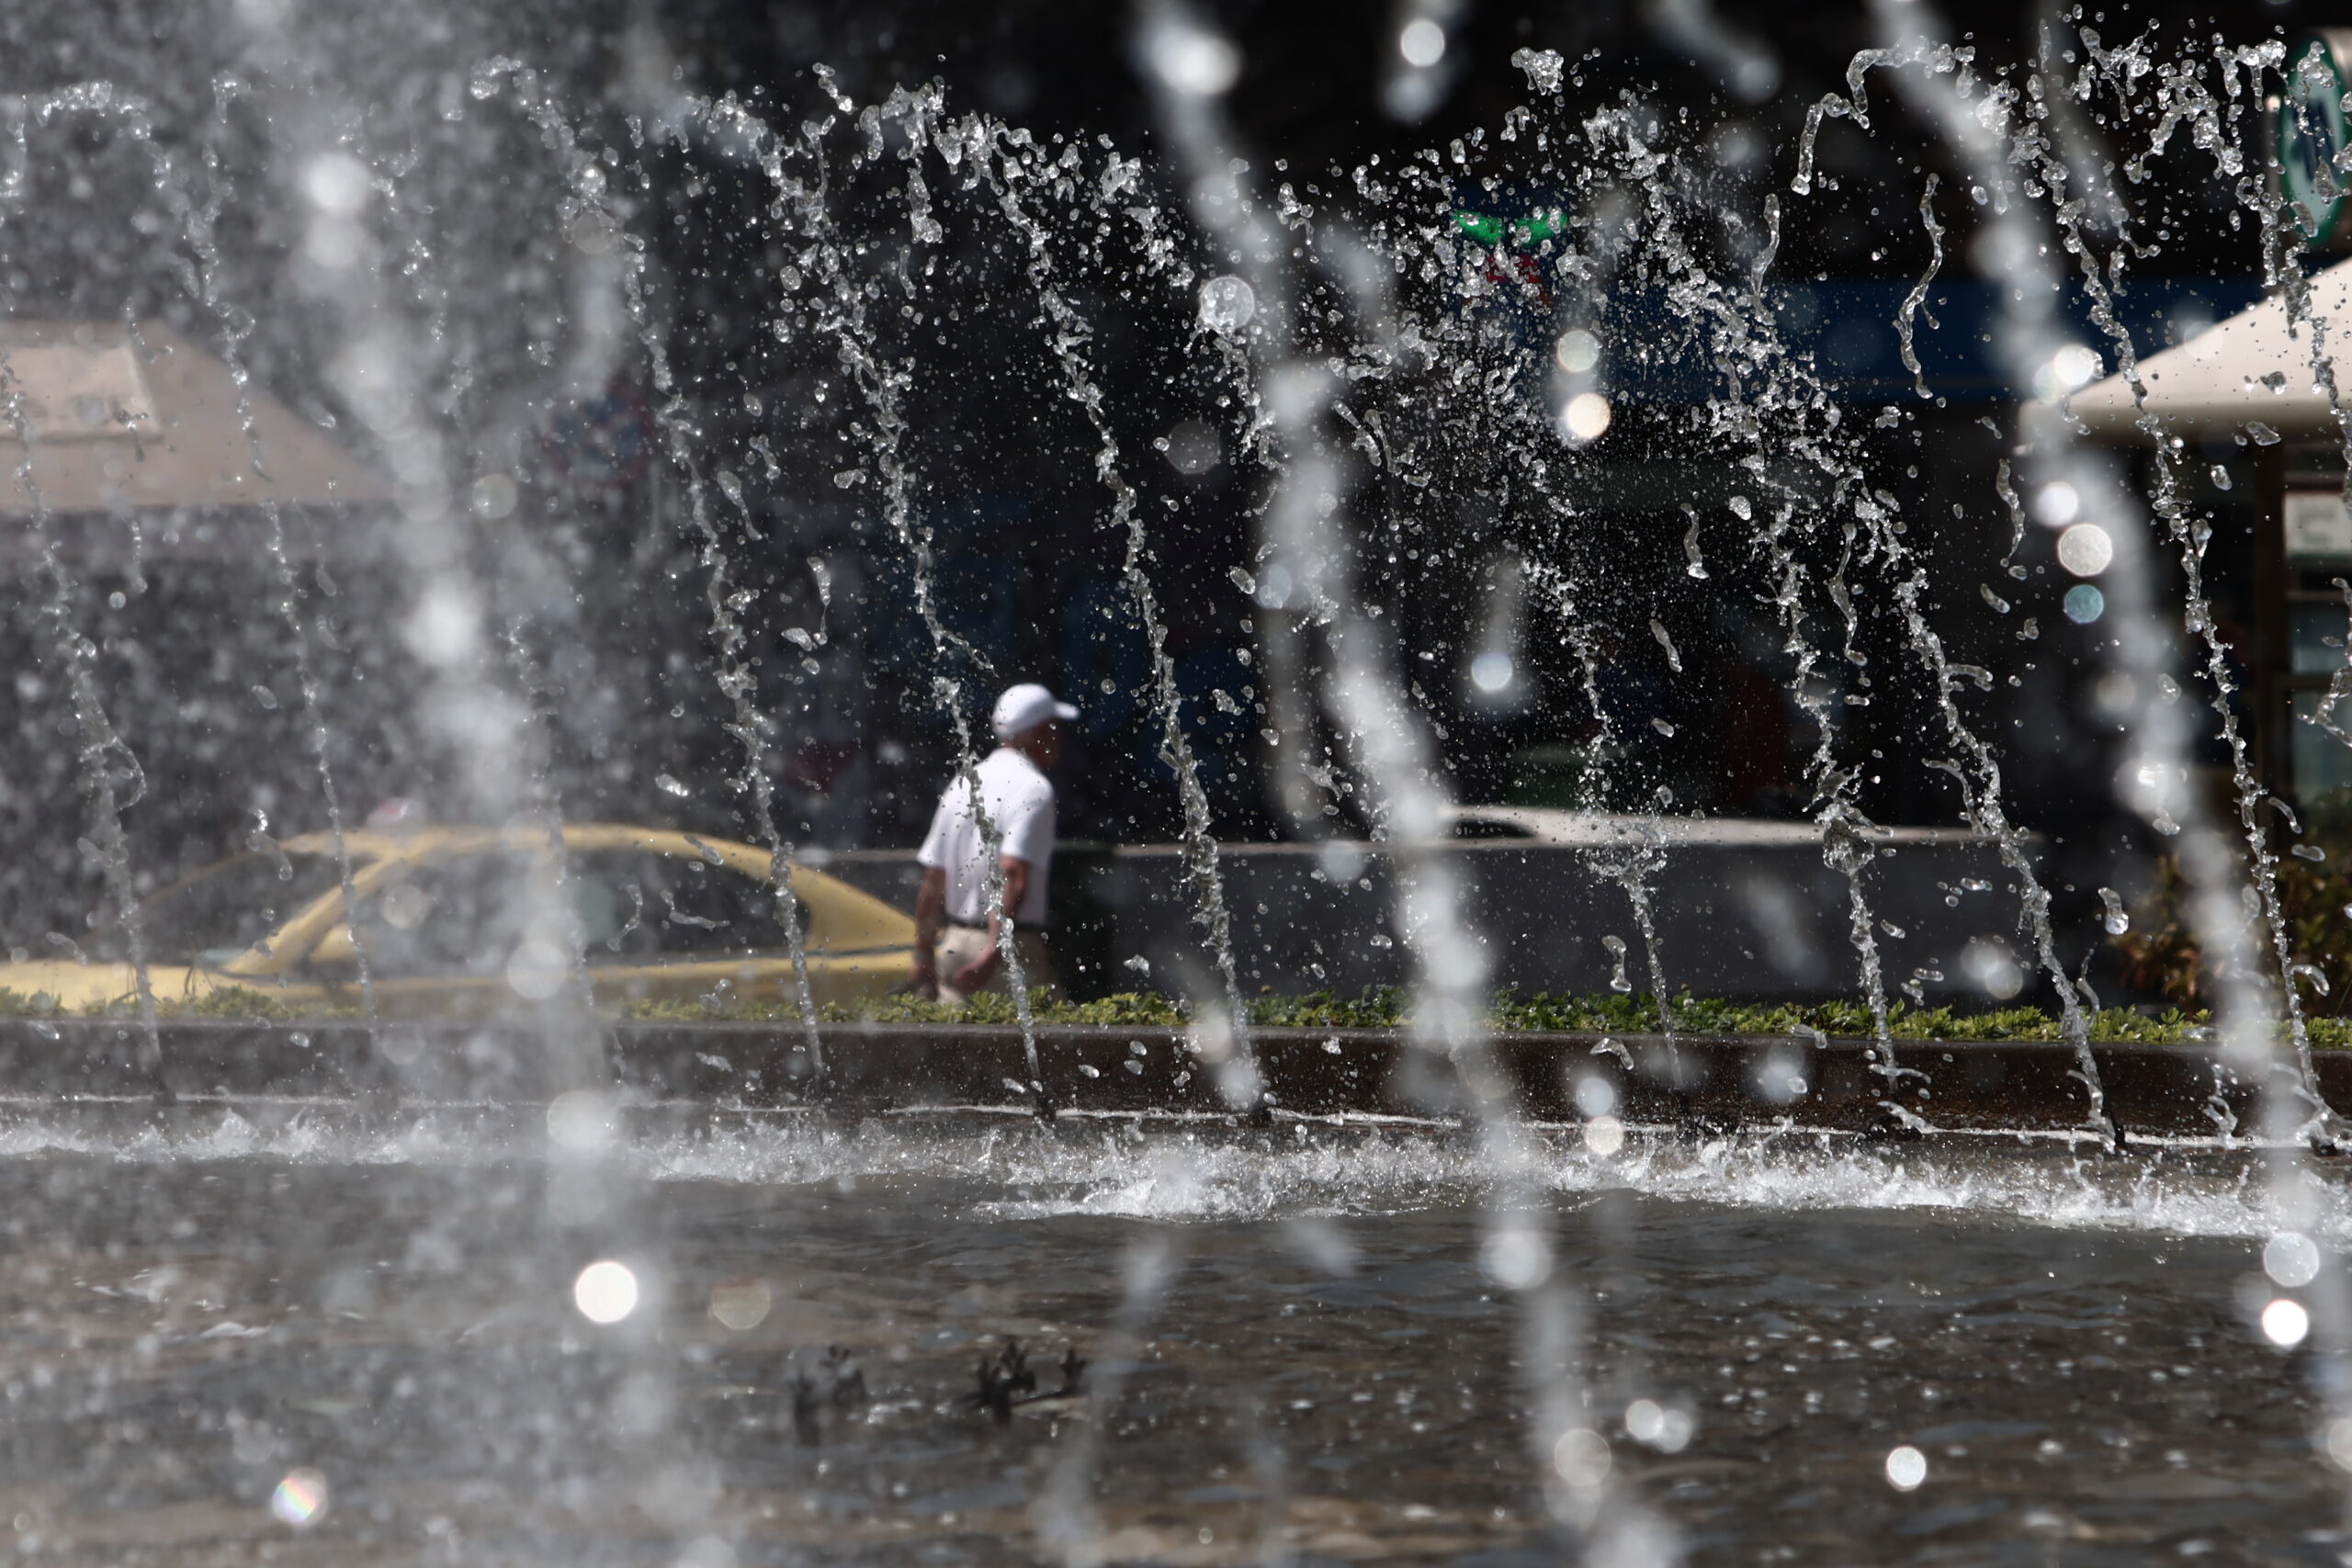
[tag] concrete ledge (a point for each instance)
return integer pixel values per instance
(1709, 1082)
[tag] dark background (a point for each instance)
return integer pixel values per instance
(618, 661)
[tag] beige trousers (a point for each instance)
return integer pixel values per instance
(960, 945)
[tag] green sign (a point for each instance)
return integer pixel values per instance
(2313, 135)
(1488, 229)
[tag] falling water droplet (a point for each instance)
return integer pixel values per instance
(1673, 656)
(1696, 567)
(1227, 305)
(2115, 922)
(1741, 508)
(1617, 981)
(669, 785)
(2220, 477)
(2263, 435)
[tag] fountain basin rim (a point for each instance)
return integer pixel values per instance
(1703, 1080)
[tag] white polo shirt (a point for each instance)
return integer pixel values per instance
(1019, 799)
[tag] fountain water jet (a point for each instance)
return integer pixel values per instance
(1287, 400)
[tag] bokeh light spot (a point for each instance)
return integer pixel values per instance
(2075, 365)
(1491, 670)
(2085, 549)
(2285, 1323)
(606, 1291)
(1604, 1135)
(2291, 1258)
(1191, 59)
(1582, 1457)
(1518, 1258)
(2056, 504)
(1907, 1468)
(300, 1500)
(1578, 351)
(1586, 417)
(740, 1304)
(1659, 1427)
(1421, 43)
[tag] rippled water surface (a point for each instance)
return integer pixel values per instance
(1326, 1371)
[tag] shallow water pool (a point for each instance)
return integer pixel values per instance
(1324, 1368)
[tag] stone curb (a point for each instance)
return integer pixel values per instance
(2158, 1091)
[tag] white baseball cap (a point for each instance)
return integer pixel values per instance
(1023, 708)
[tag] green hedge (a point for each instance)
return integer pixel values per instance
(1384, 1008)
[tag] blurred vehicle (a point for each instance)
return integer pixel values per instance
(473, 920)
(1604, 829)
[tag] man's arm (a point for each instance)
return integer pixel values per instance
(982, 970)
(930, 918)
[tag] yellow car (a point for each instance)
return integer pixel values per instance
(480, 920)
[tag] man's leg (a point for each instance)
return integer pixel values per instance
(1036, 965)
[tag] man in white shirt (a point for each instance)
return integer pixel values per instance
(957, 953)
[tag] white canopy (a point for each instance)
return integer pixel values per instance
(119, 425)
(2216, 379)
